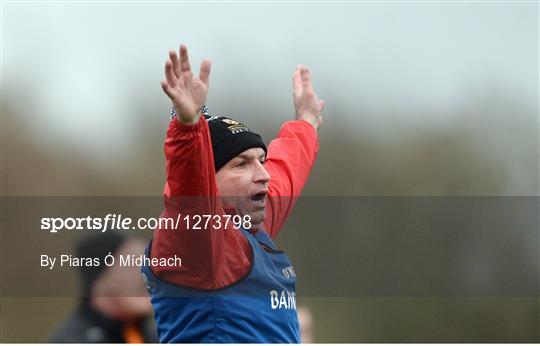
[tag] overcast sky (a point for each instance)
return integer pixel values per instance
(85, 69)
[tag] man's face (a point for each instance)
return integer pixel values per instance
(243, 183)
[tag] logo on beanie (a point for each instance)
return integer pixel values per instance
(230, 121)
(235, 127)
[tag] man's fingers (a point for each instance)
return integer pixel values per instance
(204, 73)
(306, 80)
(184, 58)
(170, 92)
(175, 64)
(297, 81)
(169, 74)
(185, 66)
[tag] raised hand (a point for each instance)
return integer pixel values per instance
(187, 93)
(308, 107)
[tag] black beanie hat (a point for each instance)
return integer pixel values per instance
(97, 246)
(229, 137)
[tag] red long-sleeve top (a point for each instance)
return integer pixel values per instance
(213, 259)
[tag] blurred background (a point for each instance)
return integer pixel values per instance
(422, 99)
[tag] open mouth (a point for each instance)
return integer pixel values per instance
(259, 197)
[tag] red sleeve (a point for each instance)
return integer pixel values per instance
(289, 161)
(210, 258)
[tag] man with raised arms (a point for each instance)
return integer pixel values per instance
(233, 285)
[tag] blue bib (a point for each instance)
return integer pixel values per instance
(260, 308)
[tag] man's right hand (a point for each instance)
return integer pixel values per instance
(187, 93)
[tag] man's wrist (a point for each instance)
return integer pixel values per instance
(189, 120)
(187, 127)
(310, 120)
(315, 125)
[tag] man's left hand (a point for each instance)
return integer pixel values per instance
(306, 103)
